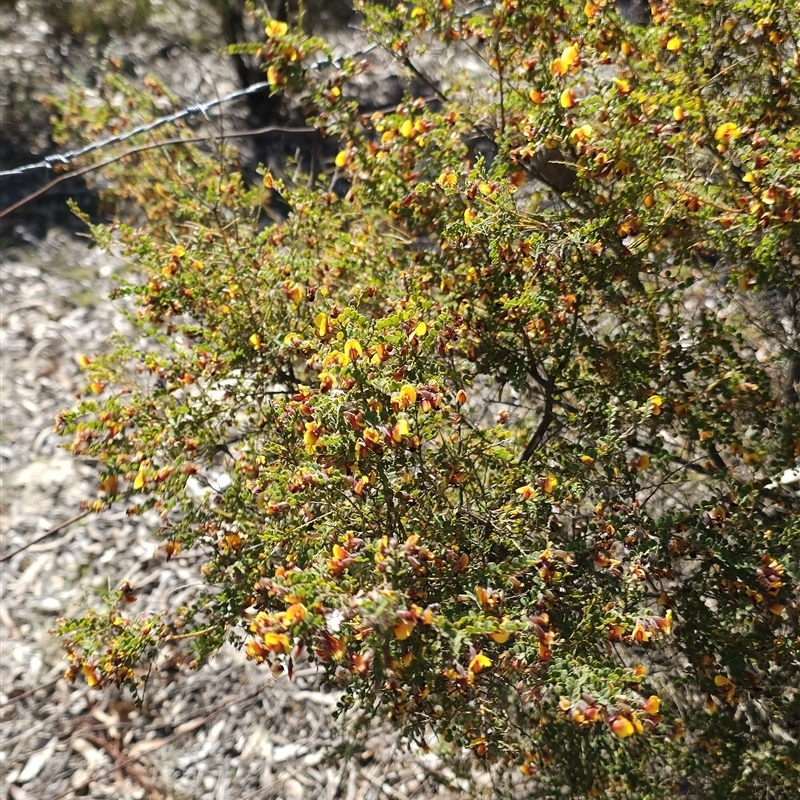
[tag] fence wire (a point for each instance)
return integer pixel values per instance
(49, 162)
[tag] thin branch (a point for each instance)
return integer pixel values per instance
(169, 740)
(382, 786)
(549, 388)
(46, 535)
(119, 758)
(719, 462)
(425, 79)
(544, 424)
(17, 697)
(191, 635)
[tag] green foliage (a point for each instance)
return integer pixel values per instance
(502, 452)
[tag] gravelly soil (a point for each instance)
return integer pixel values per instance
(227, 731)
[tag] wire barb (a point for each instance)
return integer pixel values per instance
(49, 162)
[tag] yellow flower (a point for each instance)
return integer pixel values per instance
(321, 321)
(273, 76)
(372, 436)
(327, 381)
(311, 436)
(276, 28)
(276, 642)
(90, 673)
(623, 85)
(400, 430)
(501, 637)
(655, 401)
(568, 60)
(296, 612)
(294, 292)
(570, 55)
(726, 132)
(403, 630)
(339, 552)
(549, 484)
(567, 98)
(140, 480)
(622, 727)
(581, 134)
(479, 662)
(335, 357)
(255, 650)
(665, 626)
(653, 705)
(352, 349)
(407, 396)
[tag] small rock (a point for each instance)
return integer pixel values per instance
(50, 605)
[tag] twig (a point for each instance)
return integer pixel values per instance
(55, 529)
(191, 635)
(22, 696)
(549, 387)
(440, 95)
(119, 759)
(718, 460)
(544, 424)
(169, 740)
(388, 790)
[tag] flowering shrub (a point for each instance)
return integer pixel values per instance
(504, 442)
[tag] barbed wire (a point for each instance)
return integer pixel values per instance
(49, 162)
(142, 148)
